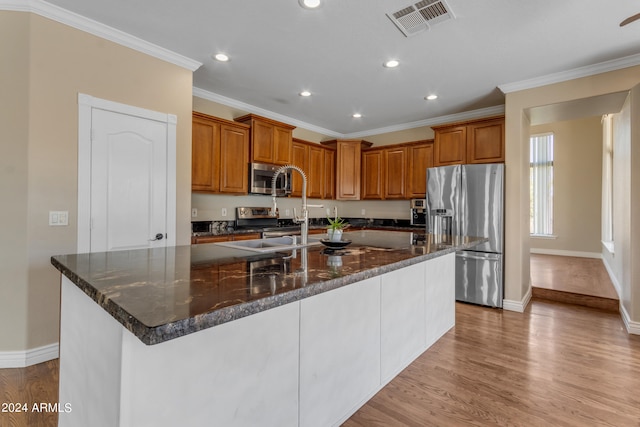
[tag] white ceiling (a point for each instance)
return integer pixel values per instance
(278, 49)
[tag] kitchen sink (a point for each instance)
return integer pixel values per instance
(272, 244)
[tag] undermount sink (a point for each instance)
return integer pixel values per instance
(272, 244)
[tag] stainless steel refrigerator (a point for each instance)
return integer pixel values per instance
(468, 200)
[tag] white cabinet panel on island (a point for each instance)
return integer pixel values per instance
(403, 335)
(339, 352)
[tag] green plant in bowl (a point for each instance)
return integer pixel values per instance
(335, 227)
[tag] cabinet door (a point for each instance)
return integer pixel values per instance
(234, 151)
(372, 174)
(315, 172)
(395, 176)
(300, 155)
(419, 158)
(205, 151)
(329, 188)
(282, 145)
(450, 146)
(348, 170)
(485, 142)
(262, 148)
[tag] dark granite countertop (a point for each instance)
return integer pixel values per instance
(165, 293)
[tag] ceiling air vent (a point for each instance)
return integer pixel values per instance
(420, 16)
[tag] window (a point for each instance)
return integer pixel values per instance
(541, 185)
(607, 181)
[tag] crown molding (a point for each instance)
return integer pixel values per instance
(467, 115)
(450, 118)
(205, 94)
(63, 16)
(563, 76)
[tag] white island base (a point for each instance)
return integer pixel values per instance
(312, 362)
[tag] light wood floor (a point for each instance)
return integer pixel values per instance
(554, 365)
(573, 280)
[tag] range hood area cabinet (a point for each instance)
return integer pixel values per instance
(318, 162)
(396, 172)
(348, 162)
(271, 141)
(471, 142)
(219, 152)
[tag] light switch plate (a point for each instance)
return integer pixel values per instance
(224, 212)
(194, 212)
(57, 218)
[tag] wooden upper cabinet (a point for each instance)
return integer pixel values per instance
(372, 174)
(485, 142)
(329, 189)
(348, 162)
(205, 154)
(450, 146)
(300, 159)
(478, 141)
(419, 159)
(395, 173)
(219, 155)
(271, 141)
(234, 152)
(317, 162)
(315, 169)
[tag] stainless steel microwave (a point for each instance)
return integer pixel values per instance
(261, 176)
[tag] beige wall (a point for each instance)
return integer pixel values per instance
(517, 277)
(63, 62)
(14, 109)
(577, 186)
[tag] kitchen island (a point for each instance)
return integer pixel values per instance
(208, 335)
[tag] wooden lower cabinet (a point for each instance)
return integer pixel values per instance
(196, 240)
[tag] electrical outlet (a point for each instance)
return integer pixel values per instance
(328, 211)
(194, 212)
(363, 212)
(287, 212)
(224, 212)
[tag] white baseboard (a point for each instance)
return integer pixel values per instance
(632, 327)
(518, 306)
(565, 253)
(21, 359)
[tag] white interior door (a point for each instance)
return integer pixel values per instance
(126, 177)
(128, 182)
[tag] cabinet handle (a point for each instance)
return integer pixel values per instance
(159, 236)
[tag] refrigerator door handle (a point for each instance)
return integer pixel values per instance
(484, 256)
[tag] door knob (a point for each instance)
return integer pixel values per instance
(159, 236)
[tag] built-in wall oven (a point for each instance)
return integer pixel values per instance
(261, 178)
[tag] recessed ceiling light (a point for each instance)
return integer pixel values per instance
(310, 4)
(431, 97)
(221, 57)
(357, 115)
(393, 63)
(305, 93)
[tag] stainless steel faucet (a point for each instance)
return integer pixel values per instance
(304, 220)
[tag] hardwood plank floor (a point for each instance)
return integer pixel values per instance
(32, 385)
(554, 365)
(585, 276)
